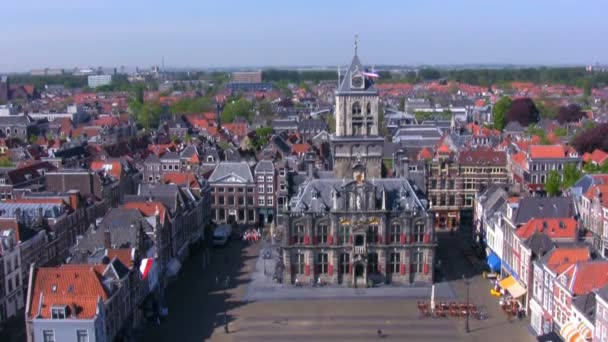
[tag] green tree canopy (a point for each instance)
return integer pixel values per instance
(499, 112)
(553, 185)
(237, 108)
(571, 175)
(191, 105)
(262, 135)
(146, 114)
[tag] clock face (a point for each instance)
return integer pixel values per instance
(357, 81)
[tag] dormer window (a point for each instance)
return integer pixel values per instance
(58, 312)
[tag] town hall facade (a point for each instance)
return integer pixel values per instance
(355, 228)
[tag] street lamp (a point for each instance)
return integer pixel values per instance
(225, 284)
(467, 282)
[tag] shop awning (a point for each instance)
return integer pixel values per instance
(586, 333)
(515, 288)
(576, 332)
(493, 262)
(567, 330)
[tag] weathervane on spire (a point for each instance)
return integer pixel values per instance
(356, 43)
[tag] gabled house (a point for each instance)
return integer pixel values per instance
(233, 193)
(545, 269)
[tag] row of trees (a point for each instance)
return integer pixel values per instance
(591, 138)
(526, 112)
(576, 76)
(522, 110)
(555, 183)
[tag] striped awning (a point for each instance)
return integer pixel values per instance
(514, 287)
(576, 332)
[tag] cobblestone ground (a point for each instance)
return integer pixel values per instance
(197, 307)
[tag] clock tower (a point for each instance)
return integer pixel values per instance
(356, 143)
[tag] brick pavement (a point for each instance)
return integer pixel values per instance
(196, 310)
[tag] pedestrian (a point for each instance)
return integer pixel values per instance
(379, 333)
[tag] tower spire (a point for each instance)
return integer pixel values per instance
(356, 43)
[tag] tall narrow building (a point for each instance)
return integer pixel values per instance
(356, 139)
(352, 227)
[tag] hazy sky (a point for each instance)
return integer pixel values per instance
(221, 33)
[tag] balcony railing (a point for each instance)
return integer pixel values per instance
(359, 249)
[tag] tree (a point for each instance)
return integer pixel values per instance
(265, 109)
(499, 112)
(191, 105)
(546, 109)
(262, 135)
(146, 114)
(234, 109)
(524, 111)
(571, 175)
(570, 113)
(591, 138)
(553, 184)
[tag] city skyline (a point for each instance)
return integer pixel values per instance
(70, 33)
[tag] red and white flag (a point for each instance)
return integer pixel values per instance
(144, 268)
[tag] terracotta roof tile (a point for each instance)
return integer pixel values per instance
(425, 154)
(561, 258)
(125, 255)
(587, 276)
(546, 151)
(599, 157)
(555, 228)
(76, 286)
(148, 208)
(112, 167)
(300, 148)
(182, 179)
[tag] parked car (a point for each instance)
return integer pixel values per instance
(221, 235)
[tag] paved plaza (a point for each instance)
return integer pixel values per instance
(283, 313)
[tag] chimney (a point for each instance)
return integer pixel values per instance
(107, 239)
(309, 159)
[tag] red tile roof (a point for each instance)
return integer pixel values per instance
(546, 151)
(239, 129)
(425, 154)
(8, 223)
(519, 158)
(483, 157)
(112, 167)
(148, 208)
(601, 189)
(586, 157)
(300, 148)
(443, 149)
(555, 228)
(561, 258)
(68, 285)
(583, 277)
(599, 157)
(125, 255)
(181, 179)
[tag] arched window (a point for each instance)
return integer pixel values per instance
(369, 108)
(356, 108)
